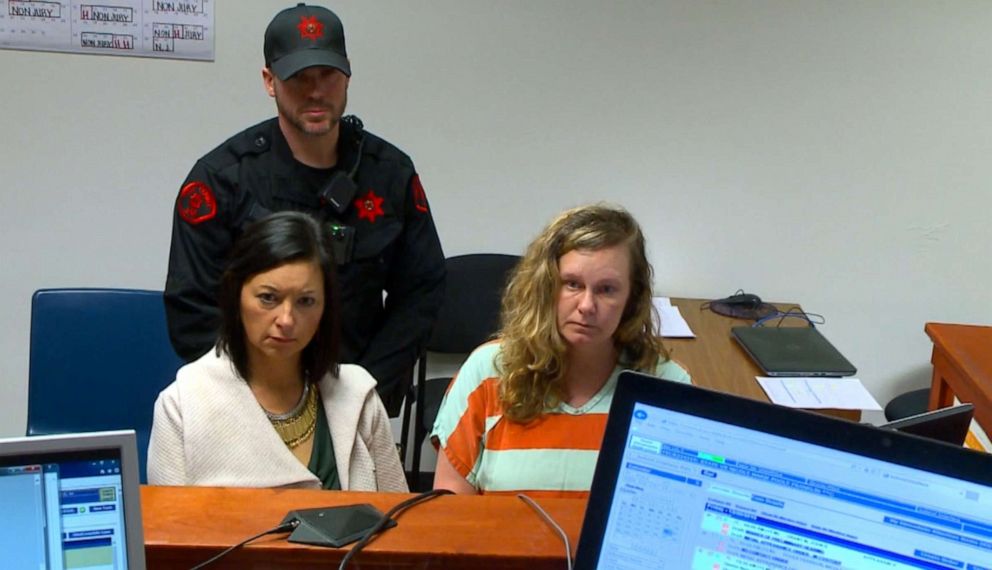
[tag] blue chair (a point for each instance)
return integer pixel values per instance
(99, 358)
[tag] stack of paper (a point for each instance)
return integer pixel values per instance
(673, 325)
(816, 393)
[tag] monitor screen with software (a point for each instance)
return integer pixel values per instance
(696, 479)
(71, 502)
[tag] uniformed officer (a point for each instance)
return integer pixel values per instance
(310, 158)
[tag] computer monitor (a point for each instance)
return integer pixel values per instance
(690, 478)
(71, 502)
(949, 425)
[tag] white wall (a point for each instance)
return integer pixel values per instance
(833, 152)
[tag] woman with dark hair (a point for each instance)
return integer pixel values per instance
(271, 406)
(527, 412)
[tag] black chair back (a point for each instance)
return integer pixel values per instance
(469, 316)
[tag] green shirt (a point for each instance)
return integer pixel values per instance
(322, 463)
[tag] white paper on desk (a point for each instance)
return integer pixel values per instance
(816, 393)
(672, 323)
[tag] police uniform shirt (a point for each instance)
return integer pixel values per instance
(396, 249)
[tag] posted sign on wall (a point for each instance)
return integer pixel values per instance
(180, 29)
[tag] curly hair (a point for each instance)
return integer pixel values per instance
(533, 362)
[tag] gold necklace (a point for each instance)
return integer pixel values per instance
(297, 425)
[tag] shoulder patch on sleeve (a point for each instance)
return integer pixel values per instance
(196, 203)
(419, 196)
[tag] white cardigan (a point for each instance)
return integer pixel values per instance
(210, 431)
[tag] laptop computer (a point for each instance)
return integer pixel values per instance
(949, 425)
(688, 478)
(792, 351)
(71, 502)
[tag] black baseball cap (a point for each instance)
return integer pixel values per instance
(304, 36)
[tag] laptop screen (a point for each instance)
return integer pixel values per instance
(949, 425)
(71, 502)
(691, 482)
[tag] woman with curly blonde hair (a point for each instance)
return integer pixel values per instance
(527, 411)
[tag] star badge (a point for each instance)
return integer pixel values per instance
(310, 28)
(369, 207)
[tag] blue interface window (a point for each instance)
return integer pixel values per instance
(63, 516)
(694, 493)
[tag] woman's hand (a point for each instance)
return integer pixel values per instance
(446, 477)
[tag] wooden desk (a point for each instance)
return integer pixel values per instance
(186, 525)
(716, 361)
(962, 367)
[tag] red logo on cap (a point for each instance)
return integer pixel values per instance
(369, 207)
(310, 28)
(196, 203)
